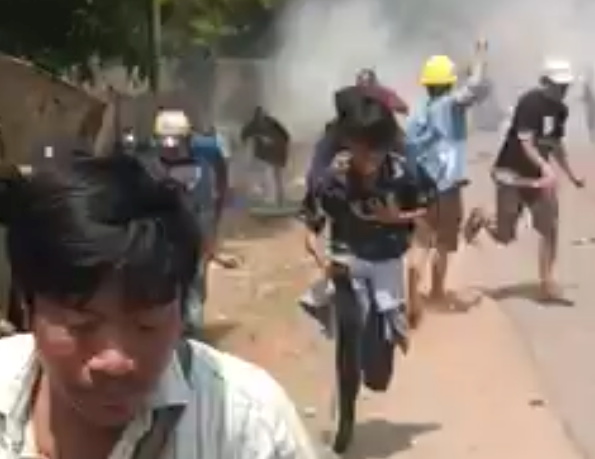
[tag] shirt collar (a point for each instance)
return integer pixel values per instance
(172, 388)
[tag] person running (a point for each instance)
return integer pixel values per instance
(205, 147)
(173, 136)
(104, 252)
(524, 172)
(270, 147)
(369, 200)
(435, 138)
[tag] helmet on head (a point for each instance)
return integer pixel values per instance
(557, 71)
(172, 123)
(366, 77)
(438, 71)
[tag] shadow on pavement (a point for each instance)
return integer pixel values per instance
(527, 291)
(379, 439)
(454, 303)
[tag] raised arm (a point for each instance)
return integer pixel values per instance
(476, 87)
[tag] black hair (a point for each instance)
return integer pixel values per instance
(78, 225)
(363, 118)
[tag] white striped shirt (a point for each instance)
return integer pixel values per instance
(234, 410)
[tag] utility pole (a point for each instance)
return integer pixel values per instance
(154, 38)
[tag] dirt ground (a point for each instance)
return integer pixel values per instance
(253, 311)
(468, 389)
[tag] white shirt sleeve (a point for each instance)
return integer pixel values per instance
(275, 430)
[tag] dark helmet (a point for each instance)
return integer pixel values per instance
(366, 77)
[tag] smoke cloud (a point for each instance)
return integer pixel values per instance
(323, 43)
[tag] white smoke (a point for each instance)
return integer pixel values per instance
(323, 43)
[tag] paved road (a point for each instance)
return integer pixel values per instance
(478, 385)
(467, 391)
(561, 339)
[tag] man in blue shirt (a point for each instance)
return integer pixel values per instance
(436, 135)
(205, 146)
(194, 173)
(369, 197)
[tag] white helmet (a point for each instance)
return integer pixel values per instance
(558, 71)
(172, 123)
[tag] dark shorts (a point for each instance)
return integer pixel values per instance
(441, 225)
(511, 201)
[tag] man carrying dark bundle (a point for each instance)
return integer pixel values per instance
(369, 197)
(270, 146)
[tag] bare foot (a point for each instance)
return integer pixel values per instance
(227, 261)
(552, 293)
(415, 317)
(437, 296)
(474, 224)
(453, 301)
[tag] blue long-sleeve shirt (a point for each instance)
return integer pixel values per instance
(436, 132)
(208, 149)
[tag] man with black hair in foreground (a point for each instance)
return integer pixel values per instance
(103, 253)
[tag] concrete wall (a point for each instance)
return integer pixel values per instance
(34, 107)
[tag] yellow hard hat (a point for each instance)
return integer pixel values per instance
(439, 71)
(172, 123)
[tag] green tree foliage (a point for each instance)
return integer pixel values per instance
(69, 34)
(72, 35)
(192, 23)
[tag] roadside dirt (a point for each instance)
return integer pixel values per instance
(253, 312)
(467, 389)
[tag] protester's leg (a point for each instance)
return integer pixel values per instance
(278, 185)
(501, 227)
(544, 213)
(448, 222)
(590, 115)
(386, 323)
(268, 193)
(259, 185)
(317, 302)
(389, 293)
(417, 261)
(347, 356)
